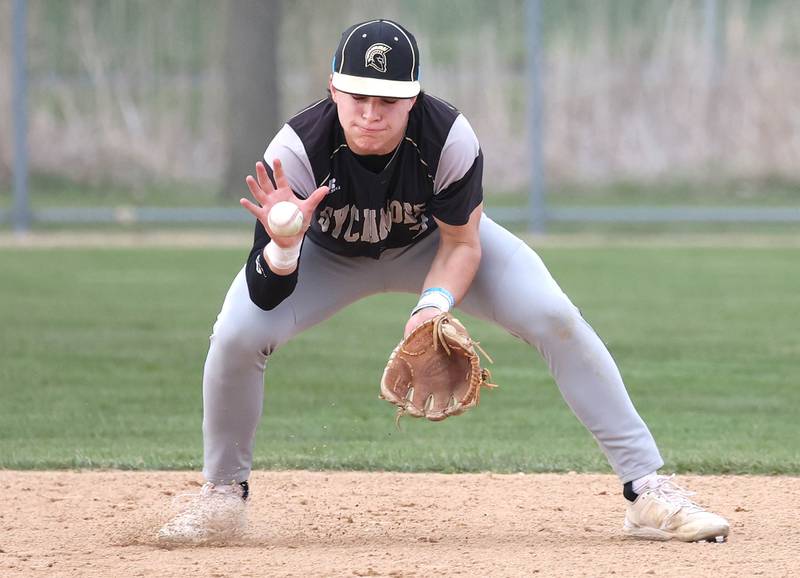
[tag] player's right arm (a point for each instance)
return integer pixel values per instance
(271, 269)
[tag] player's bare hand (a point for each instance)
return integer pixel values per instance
(266, 195)
(419, 318)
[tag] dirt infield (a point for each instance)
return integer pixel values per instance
(386, 524)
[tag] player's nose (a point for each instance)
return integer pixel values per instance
(371, 109)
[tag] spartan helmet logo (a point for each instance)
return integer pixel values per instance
(376, 56)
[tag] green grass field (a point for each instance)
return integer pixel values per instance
(101, 356)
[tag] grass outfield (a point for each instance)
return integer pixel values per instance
(101, 354)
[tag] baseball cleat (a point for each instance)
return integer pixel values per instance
(663, 511)
(216, 513)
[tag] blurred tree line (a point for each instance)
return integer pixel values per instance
(190, 91)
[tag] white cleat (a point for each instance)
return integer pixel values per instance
(663, 511)
(216, 513)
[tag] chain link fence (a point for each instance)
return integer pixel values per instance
(133, 93)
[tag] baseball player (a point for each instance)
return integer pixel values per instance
(389, 183)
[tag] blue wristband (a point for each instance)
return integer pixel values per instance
(443, 291)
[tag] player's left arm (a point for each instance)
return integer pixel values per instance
(454, 265)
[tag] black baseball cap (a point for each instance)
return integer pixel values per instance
(377, 58)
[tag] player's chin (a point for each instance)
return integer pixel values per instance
(372, 144)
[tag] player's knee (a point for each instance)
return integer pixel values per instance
(557, 317)
(236, 342)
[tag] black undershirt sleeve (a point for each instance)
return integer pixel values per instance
(267, 289)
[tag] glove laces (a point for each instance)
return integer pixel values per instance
(440, 341)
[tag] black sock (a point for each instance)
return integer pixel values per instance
(245, 489)
(627, 491)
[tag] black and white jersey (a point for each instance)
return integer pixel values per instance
(436, 171)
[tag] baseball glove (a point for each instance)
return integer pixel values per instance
(435, 372)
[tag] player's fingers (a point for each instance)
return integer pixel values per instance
(315, 199)
(254, 210)
(263, 178)
(280, 176)
(256, 190)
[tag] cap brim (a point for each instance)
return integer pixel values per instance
(375, 86)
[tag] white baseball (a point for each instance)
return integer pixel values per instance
(285, 219)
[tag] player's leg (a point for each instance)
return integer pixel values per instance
(233, 384)
(243, 338)
(514, 289)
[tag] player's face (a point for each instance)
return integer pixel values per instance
(372, 125)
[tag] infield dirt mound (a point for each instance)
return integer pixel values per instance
(387, 524)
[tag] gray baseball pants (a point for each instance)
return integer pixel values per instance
(512, 288)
